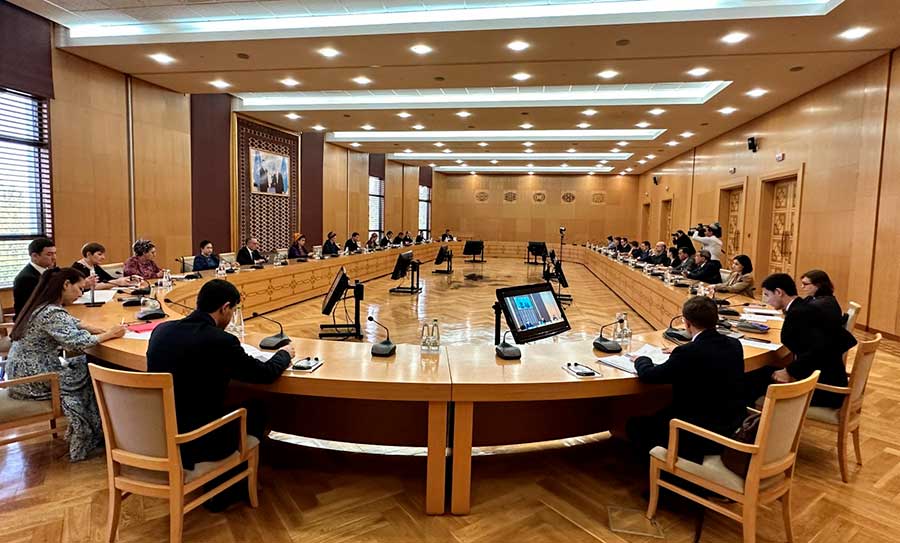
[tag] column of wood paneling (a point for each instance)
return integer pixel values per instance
(358, 193)
(393, 196)
(334, 191)
(411, 199)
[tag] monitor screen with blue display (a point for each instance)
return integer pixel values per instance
(532, 312)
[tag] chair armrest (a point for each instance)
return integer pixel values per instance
(52, 378)
(678, 424)
(7, 325)
(831, 388)
(237, 414)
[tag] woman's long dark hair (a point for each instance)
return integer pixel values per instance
(49, 290)
(745, 262)
(824, 286)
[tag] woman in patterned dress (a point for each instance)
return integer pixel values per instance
(143, 263)
(42, 330)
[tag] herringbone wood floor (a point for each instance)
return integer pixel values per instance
(315, 496)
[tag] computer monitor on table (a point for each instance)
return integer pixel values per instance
(336, 291)
(532, 312)
(402, 264)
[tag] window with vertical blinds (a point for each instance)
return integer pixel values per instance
(425, 211)
(26, 211)
(376, 206)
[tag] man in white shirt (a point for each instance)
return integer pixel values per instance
(710, 240)
(43, 257)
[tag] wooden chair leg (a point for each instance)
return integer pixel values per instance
(698, 525)
(253, 468)
(856, 448)
(54, 433)
(842, 454)
(112, 515)
(654, 490)
(176, 515)
(750, 522)
(786, 513)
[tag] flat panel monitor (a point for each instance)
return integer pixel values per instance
(560, 275)
(402, 264)
(335, 291)
(473, 247)
(532, 312)
(441, 255)
(537, 248)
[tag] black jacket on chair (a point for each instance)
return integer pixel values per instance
(23, 285)
(246, 257)
(708, 272)
(818, 341)
(202, 359)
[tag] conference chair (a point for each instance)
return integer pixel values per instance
(20, 413)
(142, 446)
(773, 456)
(852, 314)
(6, 326)
(228, 257)
(187, 264)
(115, 269)
(845, 419)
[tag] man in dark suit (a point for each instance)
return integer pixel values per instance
(685, 262)
(42, 252)
(447, 236)
(707, 378)
(249, 253)
(352, 244)
(707, 270)
(660, 255)
(817, 341)
(386, 240)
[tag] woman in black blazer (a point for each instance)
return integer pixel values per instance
(817, 288)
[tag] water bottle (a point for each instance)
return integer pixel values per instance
(167, 278)
(426, 338)
(220, 271)
(435, 336)
(624, 333)
(236, 326)
(668, 277)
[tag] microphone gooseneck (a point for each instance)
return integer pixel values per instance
(280, 327)
(386, 329)
(179, 304)
(617, 321)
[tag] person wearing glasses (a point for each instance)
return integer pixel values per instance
(817, 288)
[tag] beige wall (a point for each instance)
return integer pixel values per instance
(410, 218)
(455, 207)
(345, 190)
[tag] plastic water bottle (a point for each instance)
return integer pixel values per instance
(435, 336)
(236, 326)
(220, 271)
(426, 338)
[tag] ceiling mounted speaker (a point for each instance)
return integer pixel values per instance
(656, 180)
(752, 144)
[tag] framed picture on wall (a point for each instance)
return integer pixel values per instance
(269, 173)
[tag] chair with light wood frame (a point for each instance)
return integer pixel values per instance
(18, 413)
(772, 458)
(852, 314)
(845, 419)
(142, 446)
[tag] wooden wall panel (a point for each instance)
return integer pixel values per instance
(885, 299)
(162, 170)
(393, 196)
(675, 184)
(411, 199)
(524, 219)
(90, 159)
(358, 193)
(334, 191)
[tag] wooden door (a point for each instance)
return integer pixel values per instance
(665, 222)
(783, 229)
(732, 222)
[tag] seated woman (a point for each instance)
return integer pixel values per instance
(206, 259)
(330, 247)
(372, 244)
(93, 255)
(143, 263)
(817, 288)
(741, 279)
(298, 247)
(42, 329)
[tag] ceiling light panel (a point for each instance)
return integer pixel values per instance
(524, 169)
(498, 135)
(689, 93)
(516, 156)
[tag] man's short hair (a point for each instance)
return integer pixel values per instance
(780, 280)
(354, 234)
(91, 248)
(38, 245)
(701, 311)
(705, 254)
(217, 293)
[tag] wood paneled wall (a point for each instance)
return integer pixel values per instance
(455, 207)
(410, 218)
(345, 192)
(675, 186)
(393, 196)
(834, 135)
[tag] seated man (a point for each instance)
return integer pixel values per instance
(386, 240)
(685, 262)
(707, 270)
(42, 254)
(644, 255)
(660, 255)
(203, 358)
(407, 239)
(206, 259)
(447, 236)
(249, 253)
(817, 341)
(707, 377)
(352, 244)
(624, 246)
(398, 239)
(420, 238)
(635, 250)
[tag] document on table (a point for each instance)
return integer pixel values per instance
(262, 356)
(760, 318)
(626, 364)
(100, 296)
(760, 345)
(142, 336)
(762, 311)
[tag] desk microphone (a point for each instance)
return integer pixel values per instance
(386, 347)
(607, 345)
(507, 351)
(677, 335)
(151, 313)
(276, 341)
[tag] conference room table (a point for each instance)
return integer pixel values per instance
(450, 401)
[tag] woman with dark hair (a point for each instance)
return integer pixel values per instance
(372, 244)
(143, 263)
(206, 259)
(298, 247)
(741, 279)
(330, 247)
(93, 255)
(43, 329)
(818, 290)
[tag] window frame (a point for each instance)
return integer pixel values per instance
(381, 197)
(426, 232)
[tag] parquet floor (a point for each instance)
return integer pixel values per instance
(317, 496)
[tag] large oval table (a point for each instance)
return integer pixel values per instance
(463, 392)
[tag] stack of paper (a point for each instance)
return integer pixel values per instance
(654, 353)
(626, 364)
(619, 362)
(100, 296)
(262, 356)
(762, 311)
(746, 342)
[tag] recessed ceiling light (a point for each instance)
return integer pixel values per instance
(438, 144)
(622, 173)
(407, 150)
(219, 84)
(463, 114)
(318, 127)
(354, 144)
(529, 150)
(563, 165)
(494, 161)
(855, 33)
(292, 116)
(591, 172)
(529, 165)
(362, 80)
(656, 111)
(589, 112)
(615, 150)
(727, 110)
(482, 144)
(527, 143)
(603, 161)
(629, 169)
(571, 150)
(642, 124)
(367, 126)
(446, 151)
(735, 37)
(526, 126)
(328, 52)
(699, 71)
(521, 76)
(642, 161)
(289, 82)
(404, 115)
(757, 92)
(651, 157)
(472, 173)
(418, 127)
(458, 161)
(583, 125)
(464, 165)
(687, 134)
(530, 173)
(622, 143)
(518, 45)
(162, 58)
(421, 49)
(432, 165)
(672, 143)
(608, 74)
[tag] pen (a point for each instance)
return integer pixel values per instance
(758, 340)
